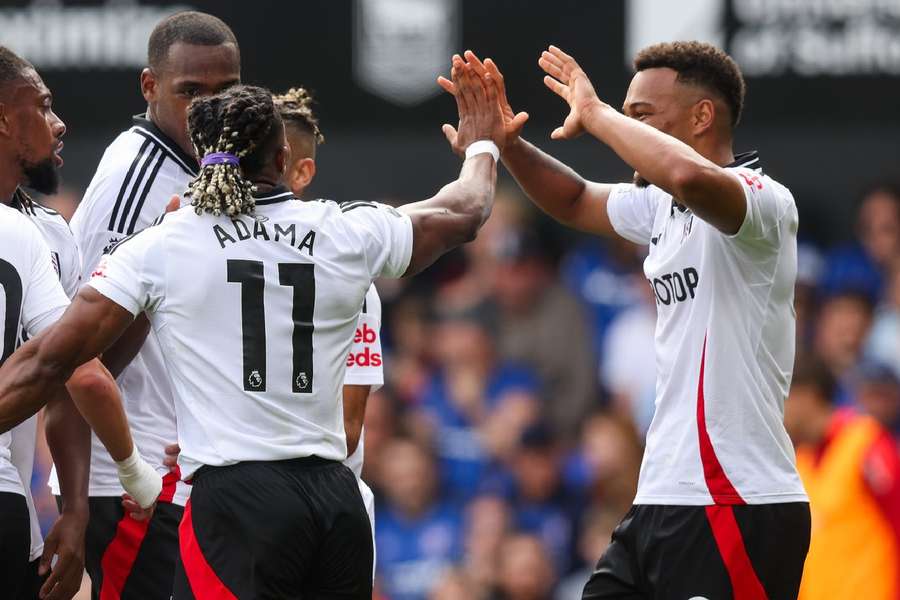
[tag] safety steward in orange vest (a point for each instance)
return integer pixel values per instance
(850, 466)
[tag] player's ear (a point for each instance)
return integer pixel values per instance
(148, 84)
(4, 118)
(301, 174)
(703, 116)
(307, 170)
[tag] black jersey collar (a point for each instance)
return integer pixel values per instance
(747, 160)
(147, 128)
(279, 193)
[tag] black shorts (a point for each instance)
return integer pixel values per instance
(15, 544)
(747, 552)
(128, 559)
(32, 582)
(286, 529)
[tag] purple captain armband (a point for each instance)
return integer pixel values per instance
(218, 158)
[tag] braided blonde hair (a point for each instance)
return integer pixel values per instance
(295, 107)
(241, 121)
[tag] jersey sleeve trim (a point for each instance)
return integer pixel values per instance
(115, 293)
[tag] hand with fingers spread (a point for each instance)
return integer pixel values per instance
(566, 78)
(512, 122)
(480, 117)
(66, 542)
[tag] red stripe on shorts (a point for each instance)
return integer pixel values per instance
(204, 582)
(745, 584)
(118, 558)
(717, 482)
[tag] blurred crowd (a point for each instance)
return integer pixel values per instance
(505, 445)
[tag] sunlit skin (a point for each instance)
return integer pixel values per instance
(302, 165)
(189, 71)
(32, 132)
(657, 98)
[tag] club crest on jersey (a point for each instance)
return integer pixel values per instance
(255, 379)
(302, 380)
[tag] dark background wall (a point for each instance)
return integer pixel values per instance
(823, 80)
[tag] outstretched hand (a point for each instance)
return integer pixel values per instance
(480, 116)
(66, 542)
(512, 122)
(566, 78)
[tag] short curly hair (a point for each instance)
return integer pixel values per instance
(700, 64)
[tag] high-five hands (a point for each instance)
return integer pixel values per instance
(480, 116)
(488, 72)
(566, 78)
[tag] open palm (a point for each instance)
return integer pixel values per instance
(489, 72)
(567, 80)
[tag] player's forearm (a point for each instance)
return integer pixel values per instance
(453, 216)
(98, 400)
(472, 194)
(661, 159)
(551, 185)
(25, 384)
(355, 399)
(69, 440)
(122, 352)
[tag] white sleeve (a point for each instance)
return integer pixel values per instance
(44, 300)
(90, 223)
(128, 275)
(767, 204)
(70, 268)
(365, 363)
(631, 211)
(387, 237)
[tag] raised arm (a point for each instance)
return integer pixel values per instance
(454, 215)
(35, 371)
(48, 360)
(555, 188)
(710, 191)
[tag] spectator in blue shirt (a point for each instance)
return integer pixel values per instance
(417, 535)
(471, 389)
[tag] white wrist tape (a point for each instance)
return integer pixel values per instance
(140, 480)
(481, 147)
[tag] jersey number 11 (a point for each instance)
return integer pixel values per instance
(300, 277)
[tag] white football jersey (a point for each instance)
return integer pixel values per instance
(136, 178)
(66, 262)
(724, 344)
(32, 299)
(365, 363)
(256, 318)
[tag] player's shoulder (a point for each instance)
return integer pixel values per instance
(46, 218)
(19, 232)
(748, 167)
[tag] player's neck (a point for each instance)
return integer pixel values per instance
(172, 135)
(10, 177)
(717, 151)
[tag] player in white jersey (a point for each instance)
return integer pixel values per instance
(190, 54)
(720, 511)
(255, 300)
(365, 364)
(30, 141)
(68, 436)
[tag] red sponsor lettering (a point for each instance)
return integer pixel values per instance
(366, 335)
(366, 358)
(751, 181)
